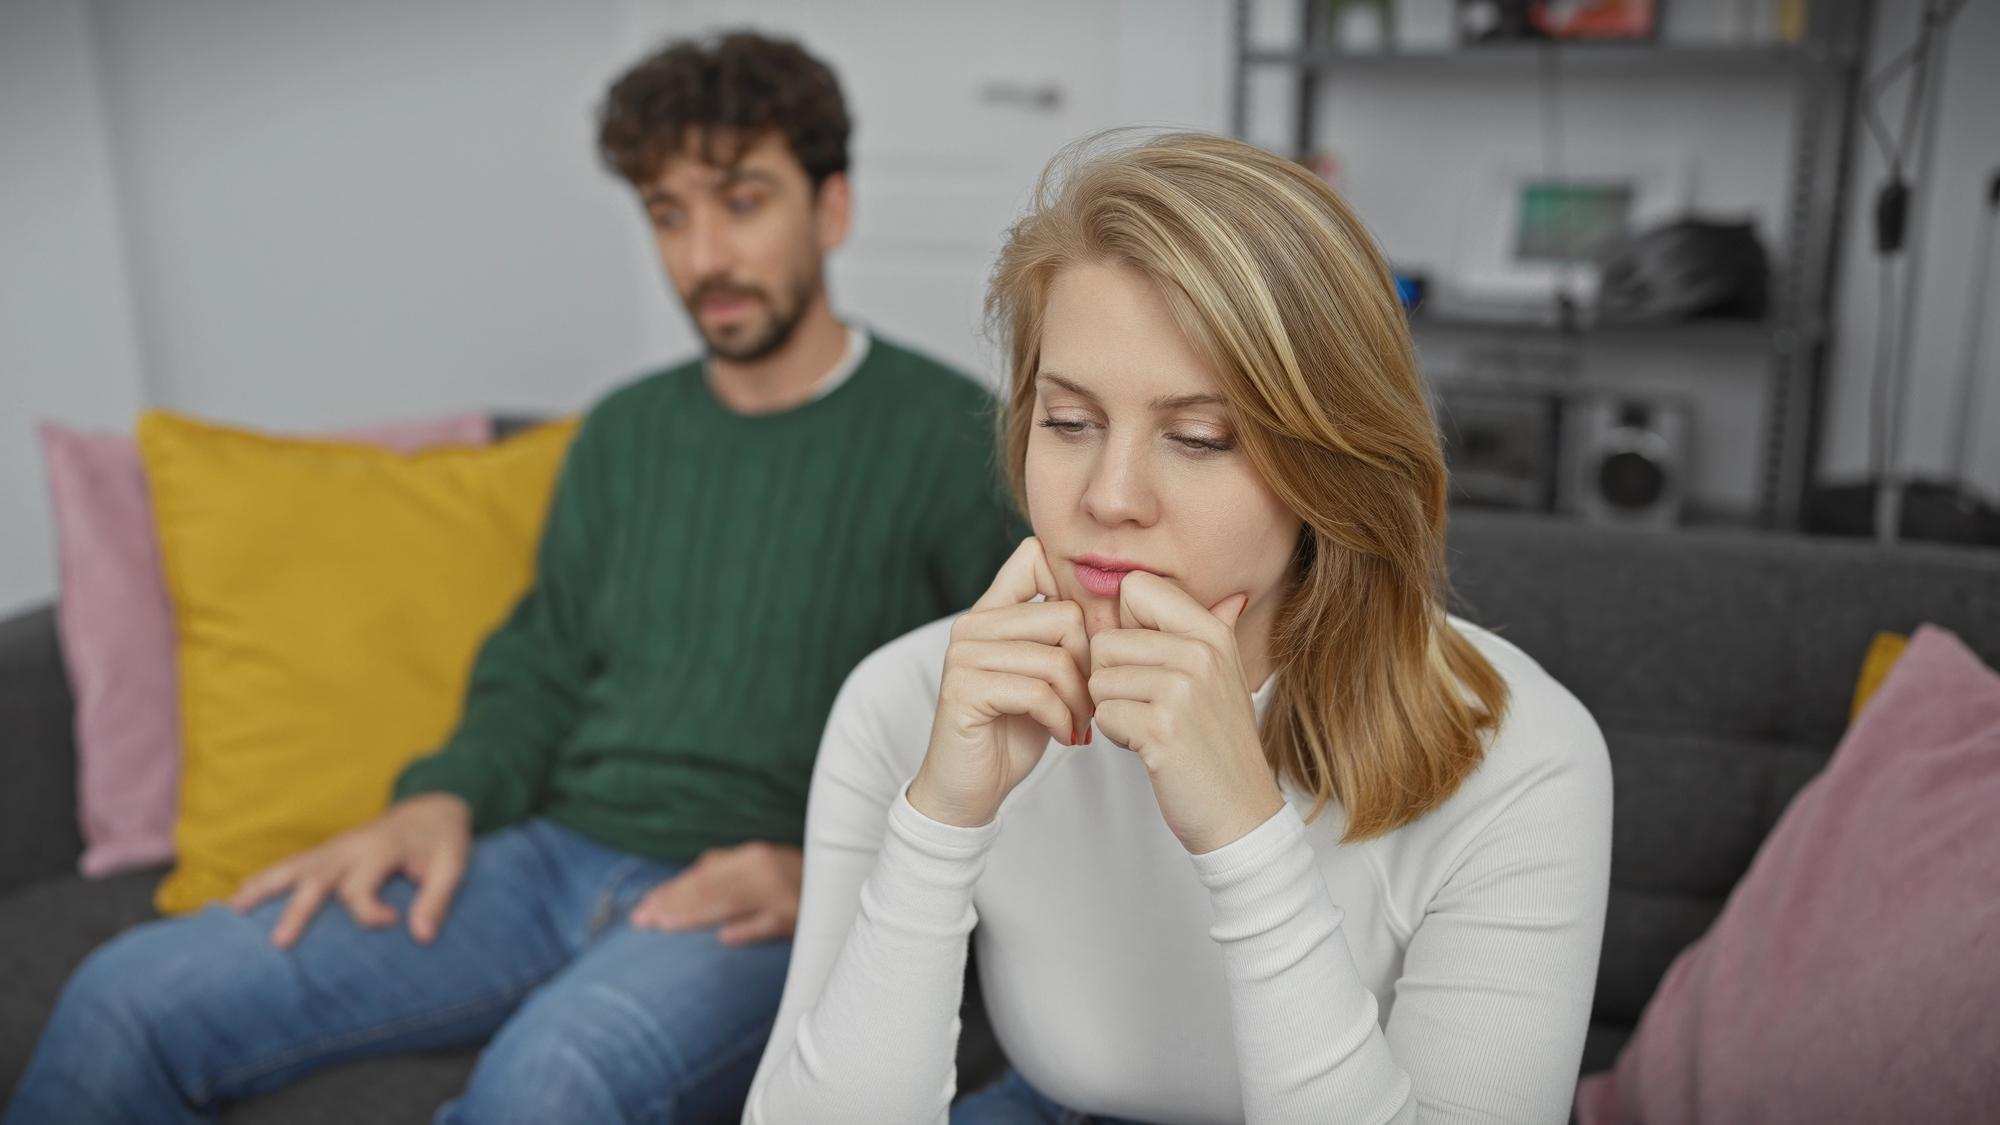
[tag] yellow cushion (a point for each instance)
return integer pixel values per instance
(1882, 653)
(330, 600)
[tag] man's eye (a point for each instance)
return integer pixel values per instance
(744, 204)
(669, 220)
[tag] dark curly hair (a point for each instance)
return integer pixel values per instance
(732, 91)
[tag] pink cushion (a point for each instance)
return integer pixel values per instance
(1854, 975)
(118, 635)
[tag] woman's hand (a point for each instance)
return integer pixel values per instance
(1013, 679)
(1169, 687)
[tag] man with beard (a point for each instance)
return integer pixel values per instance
(600, 869)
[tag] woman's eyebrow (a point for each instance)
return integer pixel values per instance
(1069, 385)
(1172, 402)
(1177, 401)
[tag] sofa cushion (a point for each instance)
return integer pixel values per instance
(1851, 977)
(118, 634)
(329, 601)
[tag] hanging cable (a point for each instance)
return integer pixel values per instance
(1960, 459)
(1892, 215)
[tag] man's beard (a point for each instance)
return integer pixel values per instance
(780, 321)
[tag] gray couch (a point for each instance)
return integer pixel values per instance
(1720, 665)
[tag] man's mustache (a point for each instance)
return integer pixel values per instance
(726, 290)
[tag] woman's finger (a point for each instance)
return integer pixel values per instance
(1147, 601)
(1022, 577)
(1003, 693)
(1047, 663)
(1048, 623)
(1115, 647)
(1137, 683)
(1123, 722)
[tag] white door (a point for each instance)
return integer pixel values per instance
(957, 107)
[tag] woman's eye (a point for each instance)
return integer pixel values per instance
(1064, 425)
(1194, 444)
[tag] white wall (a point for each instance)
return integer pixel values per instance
(293, 214)
(67, 343)
(1946, 220)
(342, 213)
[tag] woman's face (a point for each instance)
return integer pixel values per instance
(1133, 463)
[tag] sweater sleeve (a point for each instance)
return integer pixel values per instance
(973, 526)
(867, 1029)
(529, 679)
(1495, 990)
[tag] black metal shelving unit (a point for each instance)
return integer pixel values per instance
(1824, 72)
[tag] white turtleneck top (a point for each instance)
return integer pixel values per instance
(1440, 973)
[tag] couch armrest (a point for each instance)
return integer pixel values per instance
(38, 831)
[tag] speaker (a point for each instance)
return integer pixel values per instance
(1628, 459)
(1501, 443)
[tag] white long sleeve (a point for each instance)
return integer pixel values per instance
(1307, 1038)
(1442, 973)
(879, 1045)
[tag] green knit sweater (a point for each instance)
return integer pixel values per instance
(705, 582)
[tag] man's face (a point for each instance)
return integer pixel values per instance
(744, 245)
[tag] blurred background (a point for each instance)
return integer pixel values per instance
(1641, 238)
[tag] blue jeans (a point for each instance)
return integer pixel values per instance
(590, 1019)
(1011, 1101)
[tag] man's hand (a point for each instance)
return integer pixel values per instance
(426, 837)
(751, 891)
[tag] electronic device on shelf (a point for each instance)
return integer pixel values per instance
(1629, 461)
(1608, 456)
(1501, 442)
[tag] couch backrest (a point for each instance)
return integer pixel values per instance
(38, 832)
(1720, 665)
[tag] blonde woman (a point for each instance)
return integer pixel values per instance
(1246, 828)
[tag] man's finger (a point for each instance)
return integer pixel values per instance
(436, 884)
(359, 894)
(1024, 575)
(307, 895)
(689, 901)
(263, 885)
(761, 926)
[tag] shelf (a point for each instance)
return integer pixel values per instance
(1594, 57)
(1736, 335)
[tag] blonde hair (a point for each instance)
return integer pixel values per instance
(1380, 705)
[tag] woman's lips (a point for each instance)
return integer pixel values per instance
(1102, 576)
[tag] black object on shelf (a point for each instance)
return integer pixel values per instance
(1687, 269)
(1933, 511)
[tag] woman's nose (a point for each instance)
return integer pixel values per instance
(1121, 487)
